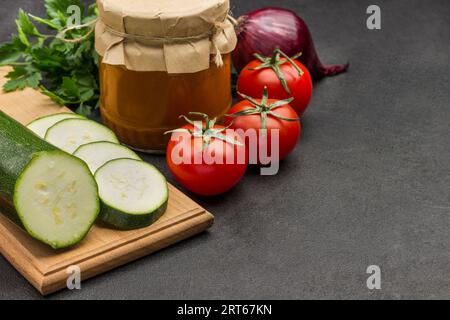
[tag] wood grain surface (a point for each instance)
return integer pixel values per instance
(104, 248)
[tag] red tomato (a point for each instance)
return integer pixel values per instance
(289, 131)
(207, 177)
(251, 82)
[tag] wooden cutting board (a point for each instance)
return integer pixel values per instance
(104, 248)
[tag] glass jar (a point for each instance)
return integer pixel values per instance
(141, 106)
(160, 60)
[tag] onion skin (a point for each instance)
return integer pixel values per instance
(263, 30)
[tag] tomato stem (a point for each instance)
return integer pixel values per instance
(274, 62)
(263, 108)
(206, 132)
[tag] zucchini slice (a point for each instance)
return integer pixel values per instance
(70, 134)
(41, 125)
(96, 154)
(134, 193)
(48, 192)
(56, 199)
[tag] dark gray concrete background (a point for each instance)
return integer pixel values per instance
(369, 183)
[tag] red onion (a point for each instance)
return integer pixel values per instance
(263, 30)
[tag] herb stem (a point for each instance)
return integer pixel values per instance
(15, 64)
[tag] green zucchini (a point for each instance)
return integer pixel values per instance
(49, 193)
(41, 125)
(134, 194)
(96, 154)
(70, 134)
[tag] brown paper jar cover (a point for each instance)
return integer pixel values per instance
(173, 36)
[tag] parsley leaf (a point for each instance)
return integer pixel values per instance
(56, 7)
(22, 77)
(11, 52)
(27, 26)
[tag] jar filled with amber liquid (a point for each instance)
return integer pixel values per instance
(161, 59)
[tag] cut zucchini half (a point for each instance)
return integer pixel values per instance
(134, 194)
(96, 154)
(41, 125)
(70, 134)
(56, 198)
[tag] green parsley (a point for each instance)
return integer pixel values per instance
(66, 72)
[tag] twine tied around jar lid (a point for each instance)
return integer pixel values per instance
(212, 34)
(171, 36)
(218, 28)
